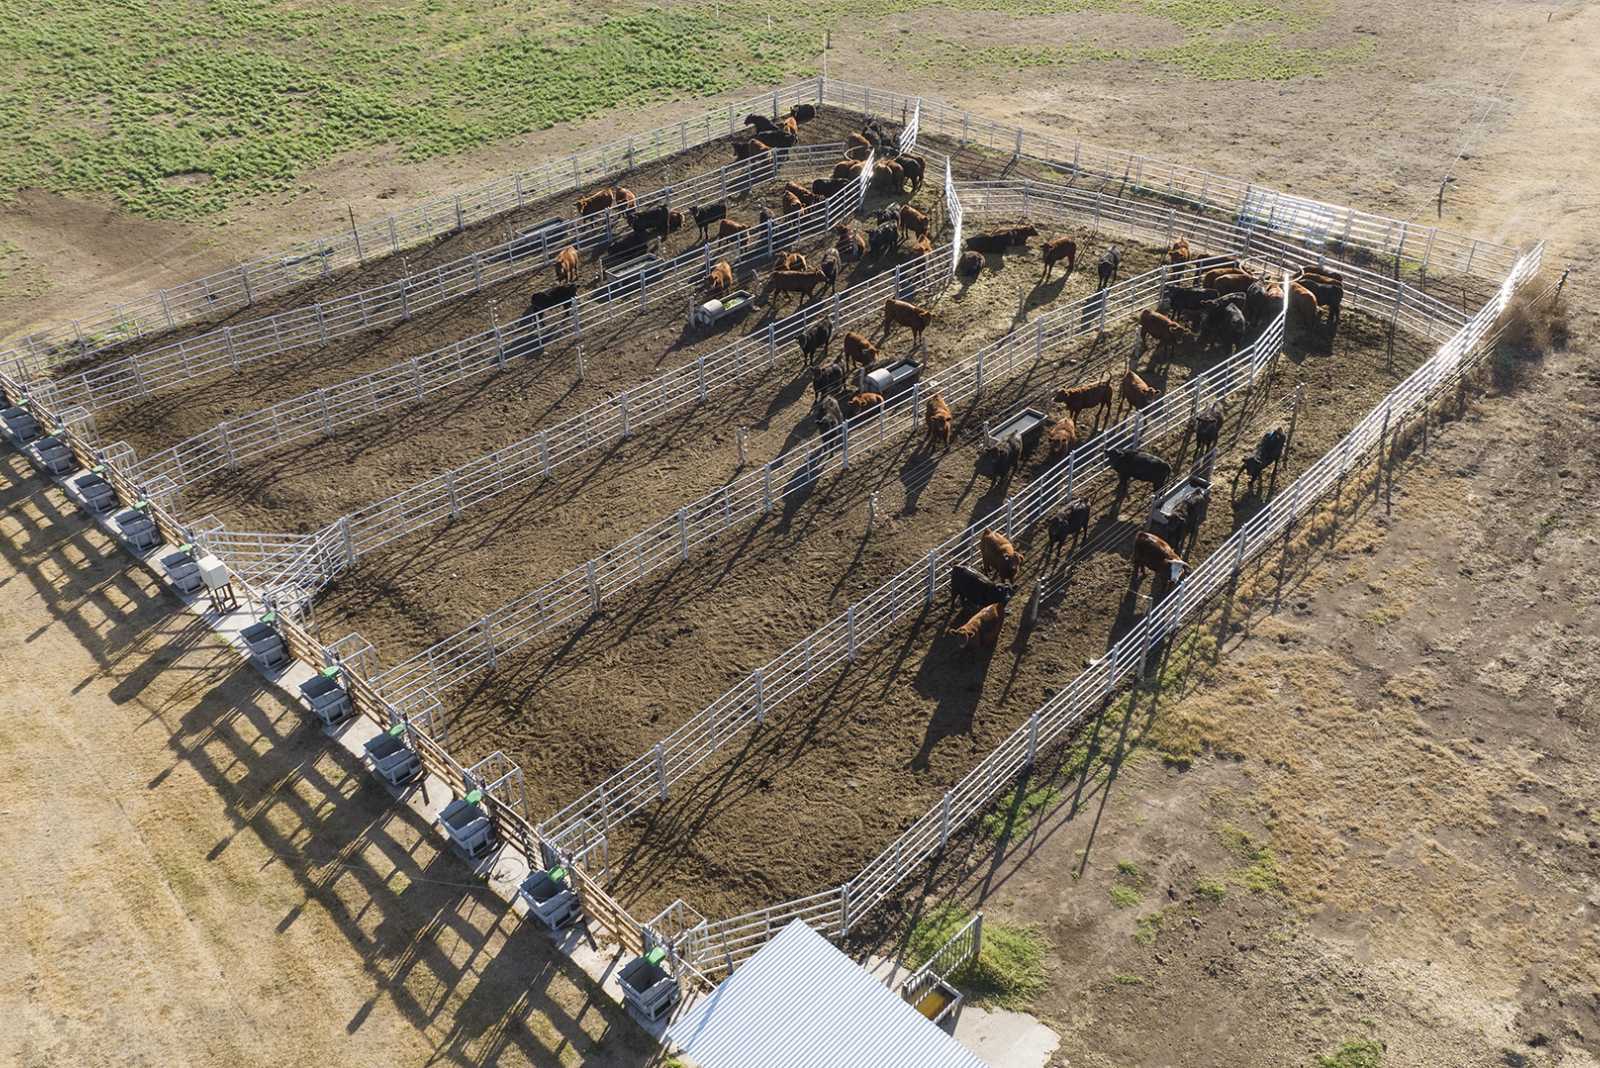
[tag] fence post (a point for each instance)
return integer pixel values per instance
(1138, 427)
(978, 383)
(450, 488)
(700, 375)
(1033, 738)
(244, 280)
(739, 440)
(461, 222)
(327, 418)
(683, 533)
(758, 677)
(850, 630)
(1033, 603)
(1010, 516)
(349, 542)
(844, 443)
(594, 585)
(944, 808)
(932, 577)
(661, 771)
(872, 509)
(622, 404)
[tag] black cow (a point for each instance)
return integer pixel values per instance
(1183, 299)
(883, 240)
(889, 214)
(988, 243)
(829, 266)
(970, 265)
(826, 187)
(545, 299)
(655, 221)
(1225, 324)
(803, 112)
(705, 216)
(829, 417)
(761, 123)
(827, 378)
(1207, 428)
(1329, 295)
(1071, 522)
(1004, 456)
(1132, 464)
(815, 339)
(1269, 450)
(915, 169)
(1110, 264)
(974, 590)
(1258, 304)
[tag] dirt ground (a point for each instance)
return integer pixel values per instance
(201, 880)
(1420, 737)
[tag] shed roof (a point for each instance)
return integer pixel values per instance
(797, 1003)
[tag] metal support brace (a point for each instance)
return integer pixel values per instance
(683, 533)
(594, 585)
(661, 771)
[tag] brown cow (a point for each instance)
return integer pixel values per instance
(855, 140)
(792, 203)
(1209, 278)
(921, 246)
(802, 282)
(939, 420)
(887, 174)
(983, 629)
(1000, 557)
(567, 264)
(1178, 251)
(858, 350)
(863, 402)
(1062, 248)
(846, 168)
(913, 221)
(801, 193)
(904, 313)
(790, 261)
(750, 148)
(1151, 553)
(790, 126)
(720, 280)
(1136, 392)
(1302, 303)
(728, 228)
(597, 201)
(1082, 398)
(1152, 324)
(1232, 282)
(851, 245)
(622, 197)
(1063, 436)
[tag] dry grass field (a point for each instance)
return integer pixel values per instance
(1367, 834)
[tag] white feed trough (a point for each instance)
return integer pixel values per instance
(265, 644)
(468, 826)
(713, 311)
(549, 897)
(135, 529)
(19, 426)
(183, 571)
(892, 378)
(391, 759)
(52, 456)
(91, 492)
(327, 700)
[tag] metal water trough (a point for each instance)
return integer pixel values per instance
(648, 989)
(713, 311)
(182, 571)
(551, 234)
(630, 268)
(135, 529)
(941, 1003)
(891, 379)
(1029, 422)
(91, 492)
(265, 645)
(327, 700)
(19, 425)
(390, 758)
(52, 456)
(1166, 514)
(468, 826)
(549, 897)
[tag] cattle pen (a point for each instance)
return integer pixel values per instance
(631, 601)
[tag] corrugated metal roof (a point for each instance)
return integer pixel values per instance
(799, 1003)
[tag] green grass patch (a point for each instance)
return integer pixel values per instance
(1130, 980)
(1127, 869)
(1009, 971)
(1264, 58)
(1148, 926)
(1211, 889)
(1359, 1053)
(1004, 821)
(1260, 872)
(1124, 897)
(20, 276)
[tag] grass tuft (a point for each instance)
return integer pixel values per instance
(1010, 969)
(1358, 1053)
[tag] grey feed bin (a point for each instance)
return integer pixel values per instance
(19, 425)
(136, 529)
(648, 989)
(391, 759)
(93, 493)
(892, 379)
(549, 897)
(468, 826)
(265, 645)
(327, 700)
(713, 311)
(182, 571)
(941, 1003)
(52, 455)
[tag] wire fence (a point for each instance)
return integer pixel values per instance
(241, 286)
(230, 348)
(956, 214)
(324, 411)
(721, 944)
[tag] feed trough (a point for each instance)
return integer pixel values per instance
(469, 827)
(891, 378)
(1029, 422)
(549, 896)
(52, 456)
(1167, 514)
(713, 311)
(551, 235)
(391, 759)
(648, 989)
(625, 270)
(135, 529)
(265, 644)
(182, 571)
(326, 698)
(19, 425)
(92, 493)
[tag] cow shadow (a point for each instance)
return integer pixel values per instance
(953, 678)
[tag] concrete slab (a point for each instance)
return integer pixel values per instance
(1006, 1039)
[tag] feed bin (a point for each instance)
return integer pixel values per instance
(135, 529)
(391, 759)
(182, 571)
(469, 827)
(713, 311)
(326, 698)
(648, 989)
(92, 493)
(19, 425)
(265, 644)
(550, 897)
(891, 379)
(52, 456)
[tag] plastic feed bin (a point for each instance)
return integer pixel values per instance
(468, 826)
(265, 644)
(392, 759)
(326, 698)
(549, 897)
(647, 988)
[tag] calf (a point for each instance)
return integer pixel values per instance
(720, 280)
(983, 629)
(1136, 393)
(826, 378)
(815, 339)
(728, 228)
(790, 126)
(904, 313)
(1207, 426)
(830, 268)
(912, 221)
(1261, 301)
(887, 174)
(1063, 436)
(968, 586)
(826, 187)
(889, 213)
(1302, 304)
(858, 350)
(1000, 558)
(792, 203)
(1071, 522)
(851, 245)
(781, 137)
(865, 402)
(622, 197)
(922, 246)
(1268, 452)
(750, 149)
(597, 201)
(1003, 457)
(915, 168)
(1152, 554)
(789, 261)
(1225, 323)
(1183, 299)
(801, 193)
(655, 221)
(846, 169)
(567, 264)
(1082, 398)
(1134, 465)
(708, 214)
(1164, 331)
(1110, 263)
(884, 240)
(1062, 248)
(1232, 282)
(803, 112)
(545, 299)
(855, 140)
(828, 417)
(1178, 251)
(804, 283)
(938, 420)
(761, 123)
(1226, 267)
(970, 265)
(1017, 236)
(1328, 294)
